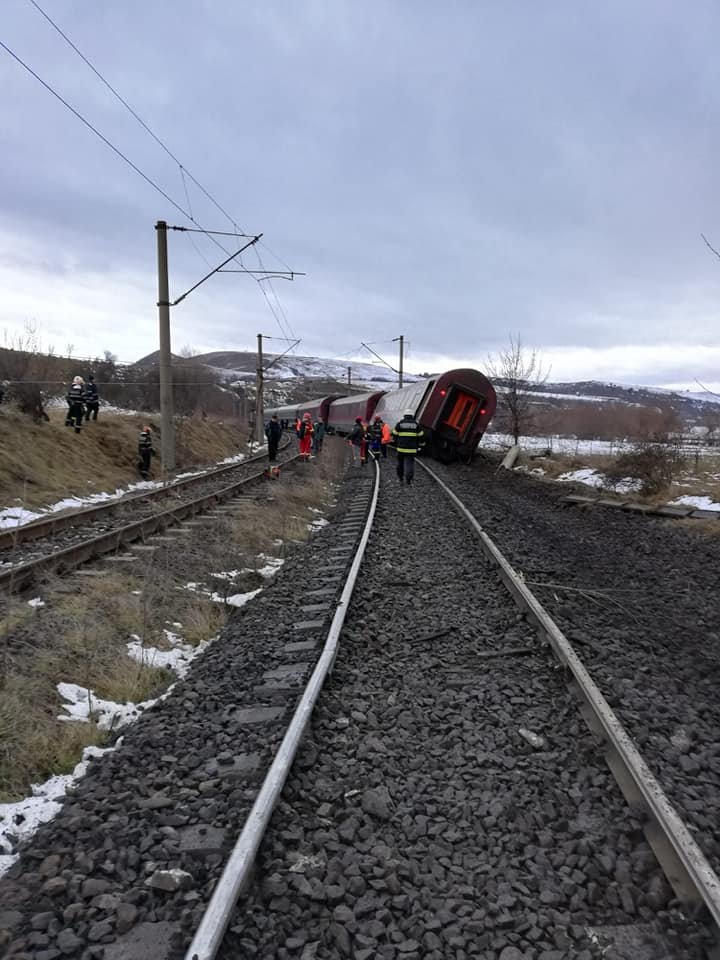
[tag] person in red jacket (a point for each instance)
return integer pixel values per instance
(305, 436)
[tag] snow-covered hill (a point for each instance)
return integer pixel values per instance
(306, 377)
(236, 365)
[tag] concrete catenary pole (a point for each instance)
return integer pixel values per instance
(167, 424)
(401, 338)
(259, 413)
(349, 376)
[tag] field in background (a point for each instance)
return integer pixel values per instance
(593, 462)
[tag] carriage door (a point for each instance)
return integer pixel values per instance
(458, 414)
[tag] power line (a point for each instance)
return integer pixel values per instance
(183, 170)
(95, 130)
(123, 101)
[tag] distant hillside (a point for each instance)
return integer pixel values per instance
(302, 378)
(235, 365)
(688, 404)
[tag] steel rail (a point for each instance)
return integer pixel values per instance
(213, 925)
(46, 526)
(17, 578)
(683, 862)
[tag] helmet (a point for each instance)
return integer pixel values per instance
(408, 413)
(378, 419)
(307, 416)
(78, 380)
(358, 419)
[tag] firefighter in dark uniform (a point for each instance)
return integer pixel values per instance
(375, 433)
(273, 432)
(92, 401)
(409, 440)
(145, 451)
(76, 404)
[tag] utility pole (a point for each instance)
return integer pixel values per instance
(167, 423)
(259, 414)
(401, 339)
(349, 377)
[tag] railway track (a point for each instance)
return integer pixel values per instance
(446, 799)
(59, 544)
(637, 597)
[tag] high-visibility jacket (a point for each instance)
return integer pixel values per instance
(386, 433)
(408, 434)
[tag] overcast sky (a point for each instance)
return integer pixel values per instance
(452, 171)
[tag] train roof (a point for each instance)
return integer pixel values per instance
(357, 398)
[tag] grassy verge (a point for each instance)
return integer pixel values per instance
(700, 476)
(43, 463)
(80, 635)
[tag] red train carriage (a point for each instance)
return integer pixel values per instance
(318, 409)
(344, 412)
(453, 409)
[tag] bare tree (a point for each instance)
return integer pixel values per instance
(516, 371)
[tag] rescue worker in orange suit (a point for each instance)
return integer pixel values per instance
(386, 438)
(305, 436)
(409, 440)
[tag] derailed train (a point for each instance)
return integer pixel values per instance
(454, 410)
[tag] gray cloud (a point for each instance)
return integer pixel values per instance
(453, 172)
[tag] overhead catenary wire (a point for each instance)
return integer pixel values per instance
(94, 129)
(182, 168)
(184, 171)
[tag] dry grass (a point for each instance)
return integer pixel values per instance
(43, 463)
(708, 528)
(80, 635)
(701, 477)
(557, 464)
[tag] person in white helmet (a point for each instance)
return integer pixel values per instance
(76, 404)
(409, 440)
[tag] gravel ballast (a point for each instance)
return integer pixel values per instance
(449, 801)
(125, 868)
(637, 597)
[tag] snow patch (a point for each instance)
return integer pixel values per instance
(36, 602)
(318, 524)
(19, 516)
(20, 820)
(701, 503)
(594, 478)
(82, 705)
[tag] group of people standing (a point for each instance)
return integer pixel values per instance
(369, 440)
(310, 436)
(83, 402)
(373, 440)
